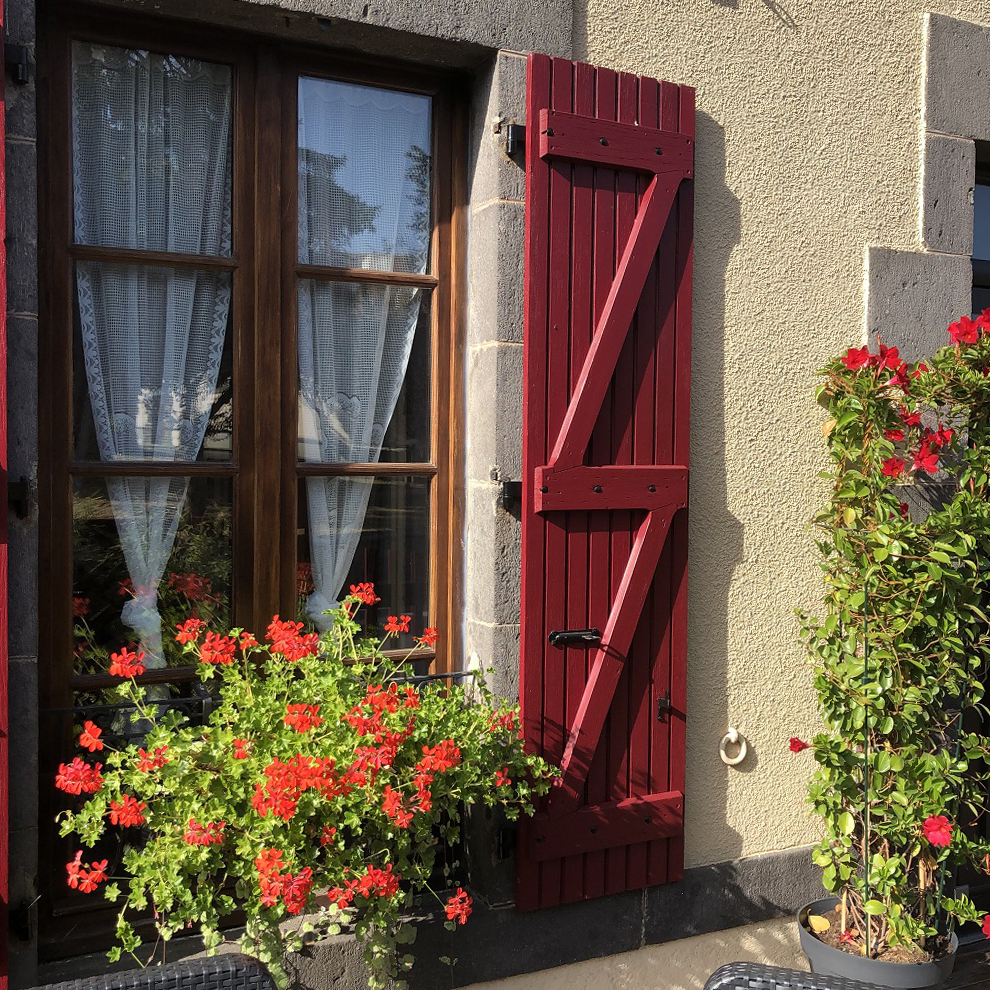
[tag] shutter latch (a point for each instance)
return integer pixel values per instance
(663, 706)
(567, 637)
(515, 138)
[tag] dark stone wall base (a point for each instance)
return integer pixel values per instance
(499, 942)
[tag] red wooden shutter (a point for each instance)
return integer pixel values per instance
(4, 809)
(609, 165)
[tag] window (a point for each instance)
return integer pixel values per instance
(251, 303)
(981, 229)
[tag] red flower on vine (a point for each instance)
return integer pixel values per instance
(926, 460)
(797, 745)
(893, 467)
(964, 331)
(986, 925)
(937, 830)
(894, 435)
(856, 358)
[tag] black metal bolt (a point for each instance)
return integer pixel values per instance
(544, 489)
(648, 820)
(594, 829)
(652, 488)
(659, 151)
(598, 489)
(549, 132)
(603, 142)
(541, 838)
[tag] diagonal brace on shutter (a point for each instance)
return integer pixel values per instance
(609, 661)
(613, 325)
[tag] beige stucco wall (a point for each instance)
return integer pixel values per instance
(809, 150)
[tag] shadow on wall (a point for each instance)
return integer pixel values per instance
(716, 536)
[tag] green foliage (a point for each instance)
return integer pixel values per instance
(319, 793)
(901, 652)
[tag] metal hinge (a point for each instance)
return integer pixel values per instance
(19, 498)
(15, 58)
(510, 495)
(663, 706)
(515, 138)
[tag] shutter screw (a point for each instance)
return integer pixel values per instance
(594, 829)
(649, 821)
(598, 489)
(541, 838)
(603, 142)
(652, 488)
(659, 151)
(549, 132)
(544, 489)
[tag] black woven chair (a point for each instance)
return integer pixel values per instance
(754, 976)
(226, 972)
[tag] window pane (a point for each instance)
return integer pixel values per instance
(364, 372)
(981, 222)
(366, 529)
(151, 150)
(147, 552)
(152, 364)
(364, 176)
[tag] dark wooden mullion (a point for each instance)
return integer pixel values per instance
(321, 469)
(153, 469)
(161, 259)
(328, 274)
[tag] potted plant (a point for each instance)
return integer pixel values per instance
(901, 655)
(317, 793)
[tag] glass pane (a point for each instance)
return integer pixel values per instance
(364, 176)
(367, 529)
(147, 547)
(364, 372)
(152, 364)
(151, 150)
(981, 222)
(981, 299)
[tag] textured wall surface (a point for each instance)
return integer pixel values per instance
(809, 153)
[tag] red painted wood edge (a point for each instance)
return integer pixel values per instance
(611, 487)
(610, 333)
(4, 661)
(609, 661)
(606, 826)
(578, 138)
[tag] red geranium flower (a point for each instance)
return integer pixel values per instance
(397, 624)
(429, 637)
(89, 738)
(147, 761)
(502, 777)
(205, 834)
(302, 717)
(459, 907)
(217, 649)
(240, 749)
(127, 663)
(192, 586)
(78, 777)
(189, 630)
(986, 925)
(304, 578)
(365, 591)
(938, 830)
(80, 607)
(127, 812)
(797, 745)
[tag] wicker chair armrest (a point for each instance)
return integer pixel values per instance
(755, 976)
(232, 971)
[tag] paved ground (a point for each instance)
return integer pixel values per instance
(972, 969)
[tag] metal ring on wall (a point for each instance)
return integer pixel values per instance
(732, 738)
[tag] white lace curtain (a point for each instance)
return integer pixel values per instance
(151, 170)
(363, 203)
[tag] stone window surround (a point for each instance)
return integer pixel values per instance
(913, 295)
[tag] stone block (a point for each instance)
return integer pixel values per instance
(23, 894)
(21, 106)
(491, 558)
(495, 273)
(494, 413)
(330, 964)
(494, 649)
(914, 296)
(725, 895)
(23, 680)
(955, 60)
(947, 204)
(22, 387)
(22, 227)
(500, 95)
(20, 24)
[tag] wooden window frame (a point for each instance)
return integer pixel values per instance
(265, 74)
